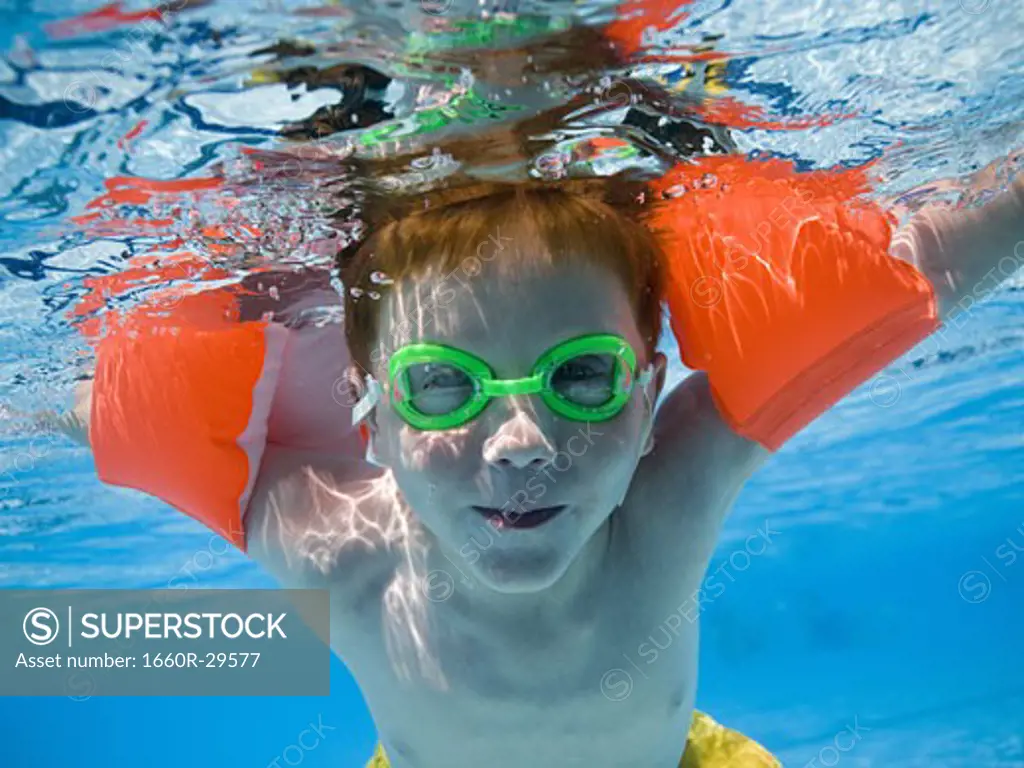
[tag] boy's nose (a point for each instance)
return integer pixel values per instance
(519, 442)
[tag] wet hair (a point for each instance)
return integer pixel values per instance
(581, 221)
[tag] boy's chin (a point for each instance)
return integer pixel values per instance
(522, 573)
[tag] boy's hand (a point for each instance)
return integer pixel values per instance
(69, 424)
(75, 423)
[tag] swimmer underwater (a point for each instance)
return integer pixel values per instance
(526, 507)
(526, 500)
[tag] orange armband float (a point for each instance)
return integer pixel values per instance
(180, 408)
(187, 397)
(781, 288)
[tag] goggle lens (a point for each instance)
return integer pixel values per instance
(587, 380)
(437, 389)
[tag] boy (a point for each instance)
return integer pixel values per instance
(508, 539)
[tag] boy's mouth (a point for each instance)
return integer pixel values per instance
(519, 519)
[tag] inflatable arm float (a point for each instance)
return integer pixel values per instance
(781, 287)
(186, 401)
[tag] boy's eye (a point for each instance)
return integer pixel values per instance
(585, 367)
(438, 388)
(586, 380)
(434, 376)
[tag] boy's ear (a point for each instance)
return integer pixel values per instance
(651, 395)
(654, 387)
(660, 373)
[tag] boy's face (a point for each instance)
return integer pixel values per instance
(512, 496)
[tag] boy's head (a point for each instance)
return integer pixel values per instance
(505, 273)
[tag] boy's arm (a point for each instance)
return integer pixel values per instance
(280, 513)
(73, 424)
(695, 452)
(310, 521)
(686, 485)
(966, 254)
(292, 292)
(698, 458)
(291, 523)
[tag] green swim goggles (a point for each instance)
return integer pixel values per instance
(435, 387)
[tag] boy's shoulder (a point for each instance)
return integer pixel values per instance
(318, 520)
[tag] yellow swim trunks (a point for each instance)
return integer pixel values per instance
(709, 745)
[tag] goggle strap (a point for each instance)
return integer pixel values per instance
(368, 401)
(645, 376)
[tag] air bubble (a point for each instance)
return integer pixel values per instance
(676, 190)
(355, 293)
(426, 162)
(551, 164)
(380, 278)
(709, 180)
(374, 295)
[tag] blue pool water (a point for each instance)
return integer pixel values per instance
(884, 617)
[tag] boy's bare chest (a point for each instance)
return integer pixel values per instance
(610, 682)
